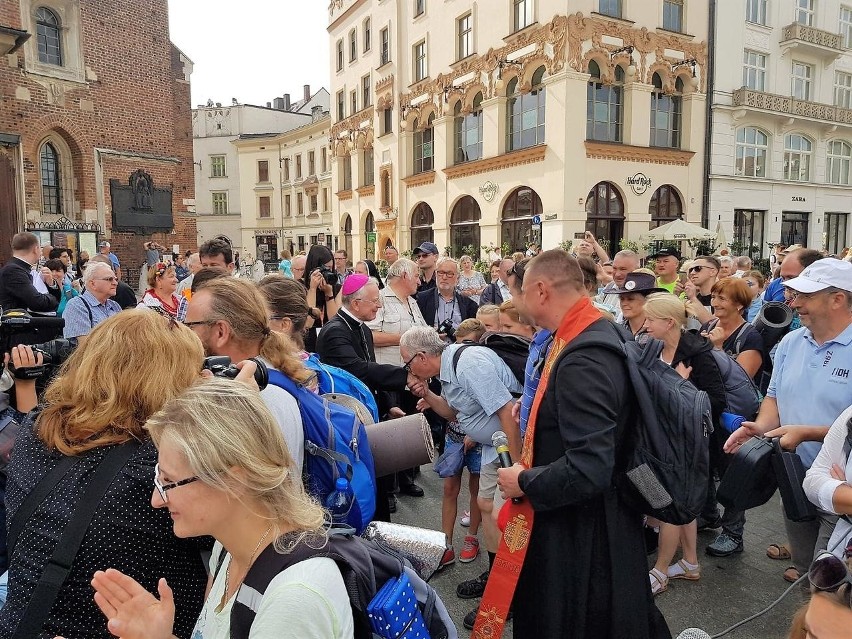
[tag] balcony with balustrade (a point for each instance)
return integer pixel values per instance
(826, 45)
(789, 107)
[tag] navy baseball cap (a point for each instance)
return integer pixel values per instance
(426, 247)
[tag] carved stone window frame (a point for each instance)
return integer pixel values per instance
(68, 205)
(73, 67)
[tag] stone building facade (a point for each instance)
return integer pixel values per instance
(512, 121)
(92, 92)
(782, 125)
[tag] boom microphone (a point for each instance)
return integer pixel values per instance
(501, 443)
(772, 322)
(693, 633)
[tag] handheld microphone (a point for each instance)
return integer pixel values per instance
(693, 633)
(501, 443)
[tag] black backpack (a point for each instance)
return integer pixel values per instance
(666, 456)
(512, 349)
(365, 565)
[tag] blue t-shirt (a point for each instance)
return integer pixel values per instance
(539, 348)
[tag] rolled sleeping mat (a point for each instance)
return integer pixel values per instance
(772, 322)
(401, 443)
(356, 406)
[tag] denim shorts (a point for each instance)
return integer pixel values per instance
(472, 458)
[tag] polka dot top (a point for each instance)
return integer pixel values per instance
(126, 533)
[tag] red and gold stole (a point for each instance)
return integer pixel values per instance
(519, 517)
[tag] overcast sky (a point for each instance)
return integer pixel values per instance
(252, 50)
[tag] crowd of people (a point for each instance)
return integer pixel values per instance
(209, 471)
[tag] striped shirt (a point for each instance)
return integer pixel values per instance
(539, 348)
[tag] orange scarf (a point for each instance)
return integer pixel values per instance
(514, 541)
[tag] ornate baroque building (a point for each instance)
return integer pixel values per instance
(95, 130)
(782, 124)
(509, 121)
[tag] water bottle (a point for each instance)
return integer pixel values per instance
(339, 501)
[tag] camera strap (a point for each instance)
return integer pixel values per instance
(439, 321)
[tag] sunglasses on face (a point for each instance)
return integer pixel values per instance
(698, 269)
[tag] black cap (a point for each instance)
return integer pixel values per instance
(639, 283)
(666, 251)
(426, 247)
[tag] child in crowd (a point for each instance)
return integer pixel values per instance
(489, 315)
(512, 322)
(285, 264)
(470, 331)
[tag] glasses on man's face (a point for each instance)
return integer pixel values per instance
(796, 296)
(200, 323)
(407, 365)
(446, 273)
(163, 489)
(698, 269)
(111, 280)
(376, 301)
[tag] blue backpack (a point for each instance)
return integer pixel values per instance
(336, 446)
(337, 380)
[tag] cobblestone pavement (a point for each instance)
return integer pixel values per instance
(730, 589)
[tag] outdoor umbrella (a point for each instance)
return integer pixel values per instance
(677, 231)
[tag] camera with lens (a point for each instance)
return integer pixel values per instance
(328, 275)
(446, 329)
(55, 352)
(221, 366)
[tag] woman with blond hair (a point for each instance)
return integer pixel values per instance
(131, 365)
(224, 470)
(162, 284)
(471, 282)
(690, 355)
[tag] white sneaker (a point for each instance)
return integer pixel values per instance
(465, 520)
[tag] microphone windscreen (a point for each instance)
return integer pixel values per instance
(693, 633)
(499, 439)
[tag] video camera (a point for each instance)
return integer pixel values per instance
(54, 352)
(221, 366)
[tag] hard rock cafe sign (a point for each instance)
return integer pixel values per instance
(489, 191)
(639, 183)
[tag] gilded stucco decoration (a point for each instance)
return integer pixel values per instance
(566, 40)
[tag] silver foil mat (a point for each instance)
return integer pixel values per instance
(424, 548)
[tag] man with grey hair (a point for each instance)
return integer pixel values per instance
(84, 312)
(443, 307)
(193, 263)
(624, 262)
(743, 264)
(477, 392)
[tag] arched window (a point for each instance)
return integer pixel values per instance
(51, 181)
(525, 113)
(369, 231)
(665, 206)
(604, 105)
(468, 132)
(422, 220)
(752, 150)
(464, 226)
(666, 114)
(797, 157)
(347, 234)
(839, 156)
(48, 36)
(516, 220)
(605, 215)
(424, 153)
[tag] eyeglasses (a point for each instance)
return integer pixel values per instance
(376, 301)
(200, 323)
(795, 296)
(828, 573)
(107, 279)
(698, 269)
(407, 365)
(162, 489)
(446, 273)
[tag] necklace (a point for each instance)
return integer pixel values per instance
(250, 562)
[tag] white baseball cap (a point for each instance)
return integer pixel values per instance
(822, 274)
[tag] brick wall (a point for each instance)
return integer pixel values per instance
(135, 100)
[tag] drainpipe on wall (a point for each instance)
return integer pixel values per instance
(708, 117)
